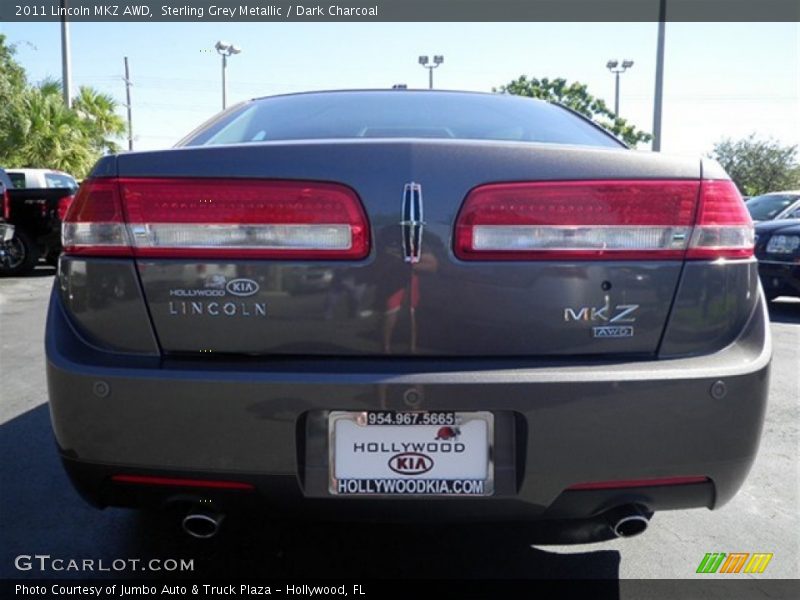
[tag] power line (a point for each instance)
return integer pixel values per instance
(178, 107)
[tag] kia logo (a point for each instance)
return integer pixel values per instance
(411, 463)
(448, 433)
(242, 287)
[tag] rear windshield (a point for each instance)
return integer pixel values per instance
(400, 114)
(18, 179)
(764, 208)
(59, 180)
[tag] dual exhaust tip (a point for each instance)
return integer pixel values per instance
(202, 524)
(624, 521)
(627, 521)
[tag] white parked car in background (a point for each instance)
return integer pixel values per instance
(41, 178)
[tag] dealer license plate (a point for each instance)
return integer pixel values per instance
(411, 453)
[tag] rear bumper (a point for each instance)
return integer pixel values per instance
(263, 423)
(780, 278)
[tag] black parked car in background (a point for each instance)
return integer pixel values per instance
(6, 229)
(36, 214)
(778, 253)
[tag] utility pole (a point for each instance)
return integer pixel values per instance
(128, 85)
(66, 68)
(662, 15)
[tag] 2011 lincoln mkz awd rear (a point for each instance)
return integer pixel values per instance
(407, 305)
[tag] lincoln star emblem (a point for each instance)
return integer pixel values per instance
(412, 222)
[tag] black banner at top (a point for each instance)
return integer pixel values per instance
(397, 10)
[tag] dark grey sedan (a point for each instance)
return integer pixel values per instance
(513, 317)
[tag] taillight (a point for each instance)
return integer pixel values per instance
(63, 206)
(723, 228)
(217, 218)
(603, 220)
(577, 220)
(6, 205)
(94, 223)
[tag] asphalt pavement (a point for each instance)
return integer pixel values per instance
(41, 514)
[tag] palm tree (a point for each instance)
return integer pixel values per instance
(50, 87)
(37, 129)
(50, 134)
(98, 114)
(46, 133)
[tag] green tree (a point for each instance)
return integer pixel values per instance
(48, 134)
(37, 129)
(757, 165)
(12, 87)
(576, 96)
(101, 122)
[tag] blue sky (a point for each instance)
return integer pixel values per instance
(721, 79)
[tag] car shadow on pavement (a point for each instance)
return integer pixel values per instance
(784, 312)
(41, 513)
(42, 270)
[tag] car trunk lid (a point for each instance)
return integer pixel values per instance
(412, 294)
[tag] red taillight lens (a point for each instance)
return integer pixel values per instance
(94, 223)
(603, 220)
(63, 206)
(6, 205)
(723, 228)
(631, 483)
(577, 220)
(214, 218)
(181, 482)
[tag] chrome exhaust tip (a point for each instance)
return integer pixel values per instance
(202, 524)
(627, 521)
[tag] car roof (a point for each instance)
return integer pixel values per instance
(397, 91)
(787, 192)
(32, 170)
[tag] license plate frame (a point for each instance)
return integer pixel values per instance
(425, 422)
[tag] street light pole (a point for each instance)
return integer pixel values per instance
(66, 67)
(613, 66)
(225, 50)
(662, 15)
(424, 61)
(224, 81)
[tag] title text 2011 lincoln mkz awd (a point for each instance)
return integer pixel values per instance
(407, 305)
